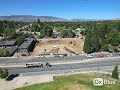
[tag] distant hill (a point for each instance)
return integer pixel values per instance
(116, 19)
(77, 20)
(30, 18)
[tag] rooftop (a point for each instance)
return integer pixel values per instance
(7, 43)
(26, 43)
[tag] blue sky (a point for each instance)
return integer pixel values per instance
(86, 9)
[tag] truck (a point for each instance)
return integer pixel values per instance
(35, 64)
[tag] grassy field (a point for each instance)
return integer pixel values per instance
(72, 82)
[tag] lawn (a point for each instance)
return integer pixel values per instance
(72, 82)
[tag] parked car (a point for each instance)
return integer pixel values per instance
(11, 77)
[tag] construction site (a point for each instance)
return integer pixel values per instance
(62, 46)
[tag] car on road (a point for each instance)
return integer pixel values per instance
(42, 56)
(48, 64)
(89, 56)
(100, 56)
(59, 56)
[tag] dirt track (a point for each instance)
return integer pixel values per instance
(74, 44)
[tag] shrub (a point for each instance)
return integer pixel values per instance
(115, 72)
(3, 73)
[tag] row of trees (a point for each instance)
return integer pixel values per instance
(43, 28)
(46, 28)
(8, 31)
(67, 34)
(102, 35)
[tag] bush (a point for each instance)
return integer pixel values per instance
(3, 73)
(115, 73)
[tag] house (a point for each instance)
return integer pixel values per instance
(9, 47)
(56, 33)
(10, 50)
(119, 47)
(7, 43)
(27, 46)
(77, 31)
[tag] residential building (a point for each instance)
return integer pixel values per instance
(27, 46)
(7, 43)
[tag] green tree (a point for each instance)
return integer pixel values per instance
(105, 47)
(2, 54)
(114, 38)
(115, 74)
(49, 32)
(38, 21)
(118, 27)
(8, 33)
(3, 73)
(64, 33)
(71, 34)
(20, 39)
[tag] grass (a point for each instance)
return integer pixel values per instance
(72, 82)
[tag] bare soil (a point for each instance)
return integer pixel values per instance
(74, 44)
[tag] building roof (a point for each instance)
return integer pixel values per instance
(11, 50)
(7, 43)
(26, 43)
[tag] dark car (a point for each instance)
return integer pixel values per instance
(11, 77)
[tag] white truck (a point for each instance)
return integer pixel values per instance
(34, 64)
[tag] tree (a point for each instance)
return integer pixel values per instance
(49, 32)
(8, 33)
(83, 32)
(115, 72)
(0, 73)
(64, 33)
(20, 39)
(118, 27)
(105, 47)
(114, 38)
(3, 73)
(2, 54)
(71, 34)
(38, 21)
(1, 27)
(88, 43)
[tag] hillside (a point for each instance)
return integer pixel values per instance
(30, 18)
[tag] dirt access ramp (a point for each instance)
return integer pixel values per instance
(74, 44)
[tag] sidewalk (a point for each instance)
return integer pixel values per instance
(24, 81)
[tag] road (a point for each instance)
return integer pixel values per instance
(48, 59)
(39, 59)
(106, 64)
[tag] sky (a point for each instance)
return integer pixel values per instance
(68, 9)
